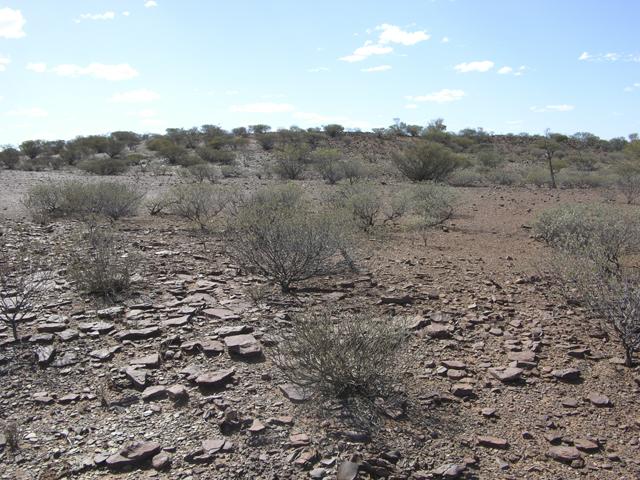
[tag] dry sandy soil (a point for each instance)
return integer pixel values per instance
(477, 293)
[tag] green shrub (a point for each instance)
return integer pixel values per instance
(426, 161)
(266, 140)
(502, 176)
(571, 178)
(334, 130)
(400, 203)
(362, 202)
(290, 162)
(201, 172)
(465, 177)
(538, 176)
(230, 171)
(103, 166)
(9, 157)
(277, 234)
(354, 170)
(433, 203)
(213, 155)
(329, 164)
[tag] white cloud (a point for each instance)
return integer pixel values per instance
(389, 34)
(150, 4)
(96, 16)
(145, 113)
(11, 23)
(632, 87)
(379, 68)
(443, 96)
(479, 66)
(122, 71)
(609, 57)
(126, 13)
(135, 96)
(38, 67)
(553, 108)
(394, 34)
(33, 112)
(367, 50)
(317, 69)
(4, 61)
(517, 72)
(264, 107)
(445, 40)
(411, 106)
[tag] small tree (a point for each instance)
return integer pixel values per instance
(259, 129)
(426, 161)
(32, 148)
(550, 146)
(334, 130)
(10, 157)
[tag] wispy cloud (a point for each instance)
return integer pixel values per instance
(379, 68)
(150, 4)
(114, 73)
(96, 16)
(632, 87)
(263, 107)
(411, 106)
(478, 66)
(553, 108)
(135, 96)
(4, 61)
(445, 40)
(318, 69)
(33, 112)
(609, 57)
(516, 72)
(445, 95)
(389, 34)
(11, 23)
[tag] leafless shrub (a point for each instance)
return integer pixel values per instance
(199, 203)
(349, 357)
(276, 233)
(100, 266)
(157, 204)
(24, 281)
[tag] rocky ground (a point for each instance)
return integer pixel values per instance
(504, 378)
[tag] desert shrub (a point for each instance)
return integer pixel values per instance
(103, 166)
(329, 164)
(489, 159)
(590, 230)
(24, 281)
(433, 203)
(350, 357)
(333, 130)
(290, 162)
(362, 202)
(199, 203)
(213, 155)
(266, 140)
(354, 170)
(201, 172)
(83, 200)
(400, 203)
(32, 148)
(426, 161)
(502, 176)
(538, 176)
(259, 129)
(9, 157)
(230, 171)
(174, 154)
(276, 233)
(465, 177)
(135, 159)
(38, 164)
(571, 178)
(100, 266)
(156, 204)
(629, 186)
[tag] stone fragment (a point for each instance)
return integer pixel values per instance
(564, 454)
(599, 400)
(215, 379)
(243, 346)
(508, 374)
(148, 361)
(295, 393)
(586, 445)
(45, 354)
(233, 330)
(68, 334)
(154, 392)
(137, 376)
(133, 454)
(566, 374)
(220, 314)
(139, 334)
(161, 461)
(492, 442)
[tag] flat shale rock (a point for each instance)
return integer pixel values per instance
(233, 330)
(599, 400)
(243, 346)
(564, 454)
(492, 442)
(215, 379)
(148, 361)
(133, 454)
(294, 393)
(566, 374)
(98, 327)
(137, 376)
(508, 374)
(220, 314)
(139, 334)
(45, 354)
(104, 353)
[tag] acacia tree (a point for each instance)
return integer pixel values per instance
(550, 146)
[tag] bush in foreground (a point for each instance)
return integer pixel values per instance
(352, 357)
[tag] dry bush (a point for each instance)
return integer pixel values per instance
(433, 203)
(290, 162)
(100, 266)
(354, 170)
(201, 172)
(157, 204)
(362, 202)
(400, 204)
(24, 281)
(629, 186)
(103, 166)
(591, 230)
(81, 200)
(426, 161)
(328, 162)
(199, 203)
(466, 177)
(277, 234)
(350, 357)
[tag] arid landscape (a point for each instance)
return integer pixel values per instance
(494, 363)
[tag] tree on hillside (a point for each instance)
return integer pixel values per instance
(32, 148)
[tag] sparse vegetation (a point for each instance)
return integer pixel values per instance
(426, 161)
(199, 203)
(103, 166)
(362, 202)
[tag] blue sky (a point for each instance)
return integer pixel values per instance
(77, 67)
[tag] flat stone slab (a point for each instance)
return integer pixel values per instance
(133, 454)
(139, 334)
(243, 346)
(564, 454)
(215, 379)
(294, 393)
